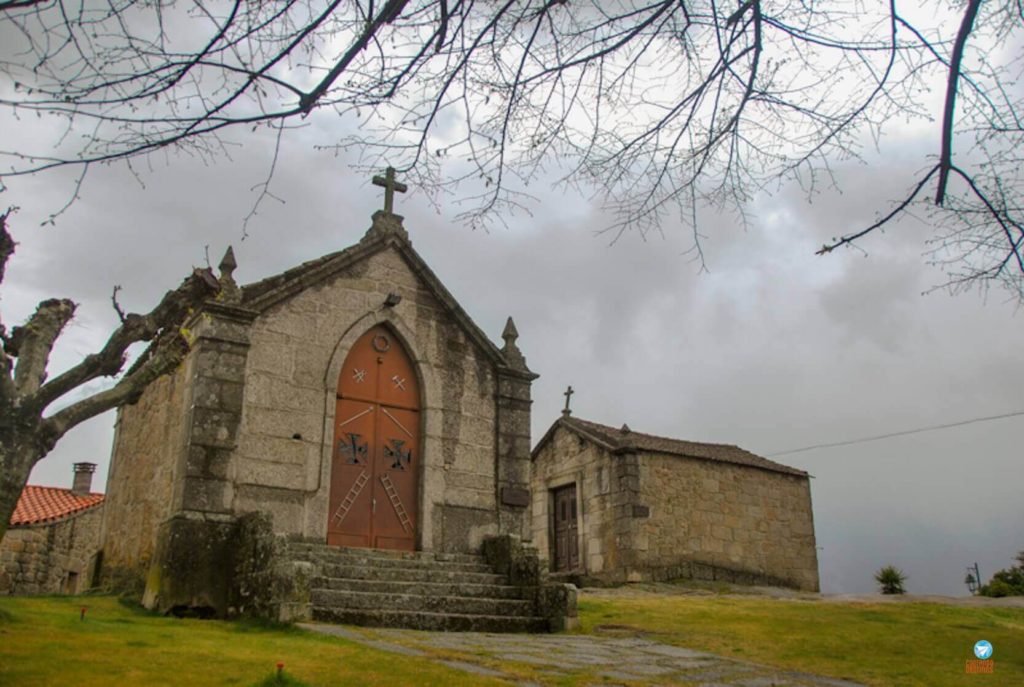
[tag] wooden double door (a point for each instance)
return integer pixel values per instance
(565, 528)
(376, 459)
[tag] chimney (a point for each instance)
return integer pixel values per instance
(83, 478)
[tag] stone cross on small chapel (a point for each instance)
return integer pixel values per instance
(390, 186)
(568, 394)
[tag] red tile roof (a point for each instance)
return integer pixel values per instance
(47, 504)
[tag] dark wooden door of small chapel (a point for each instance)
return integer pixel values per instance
(376, 463)
(567, 551)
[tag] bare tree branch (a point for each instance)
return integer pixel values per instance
(955, 63)
(165, 356)
(166, 317)
(117, 306)
(651, 105)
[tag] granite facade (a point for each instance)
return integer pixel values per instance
(651, 516)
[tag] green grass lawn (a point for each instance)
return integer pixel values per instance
(902, 644)
(43, 642)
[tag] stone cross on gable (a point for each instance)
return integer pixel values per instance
(390, 186)
(568, 394)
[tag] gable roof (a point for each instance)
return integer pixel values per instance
(617, 441)
(48, 504)
(386, 231)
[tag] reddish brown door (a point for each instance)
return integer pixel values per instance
(566, 545)
(376, 447)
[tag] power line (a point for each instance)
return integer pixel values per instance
(898, 434)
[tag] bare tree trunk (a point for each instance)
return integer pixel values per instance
(17, 456)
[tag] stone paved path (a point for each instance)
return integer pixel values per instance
(604, 660)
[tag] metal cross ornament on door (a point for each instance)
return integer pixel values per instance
(359, 375)
(397, 453)
(399, 382)
(351, 449)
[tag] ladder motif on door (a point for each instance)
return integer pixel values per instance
(396, 503)
(350, 498)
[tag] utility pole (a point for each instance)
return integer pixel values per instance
(973, 579)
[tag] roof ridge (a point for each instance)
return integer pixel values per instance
(615, 440)
(633, 432)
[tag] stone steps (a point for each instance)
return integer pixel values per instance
(453, 592)
(352, 559)
(447, 622)
(432, 603)
(420, 574)
(492, 591)
(300, 548)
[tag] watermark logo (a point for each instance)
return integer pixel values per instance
(984, 662)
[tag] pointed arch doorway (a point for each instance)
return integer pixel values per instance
(376, 457)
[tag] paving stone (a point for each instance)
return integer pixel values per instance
(673, 651)
(549, 660)
(819, 681)
(626, 659)
(473, 668)
(586, 659)
(719, 673)
(648, 668)
(621, 675)
(770, 681)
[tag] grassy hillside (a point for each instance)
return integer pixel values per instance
(43, 642)
(905, 644)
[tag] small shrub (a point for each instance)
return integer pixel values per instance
(1009, 582)
(997, 588)
(890, 580)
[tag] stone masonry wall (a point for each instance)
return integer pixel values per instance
(729, 517)
(149, 440)
(283, 459)
(39, 559)
(568, 459)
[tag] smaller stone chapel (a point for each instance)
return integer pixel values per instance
(614, 505)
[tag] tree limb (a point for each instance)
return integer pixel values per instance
(34, 341)
(164, 356)
(946, 156)
(167, 316)
(850, 238)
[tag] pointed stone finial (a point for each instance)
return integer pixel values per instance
(227, 263)
(229, 291)
(625, 429)
(511, 333)
(513, 356)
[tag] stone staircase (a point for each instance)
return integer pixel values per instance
(427, 591)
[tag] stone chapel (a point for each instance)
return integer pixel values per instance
(351, 402)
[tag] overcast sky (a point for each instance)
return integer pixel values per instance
(772, 349)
